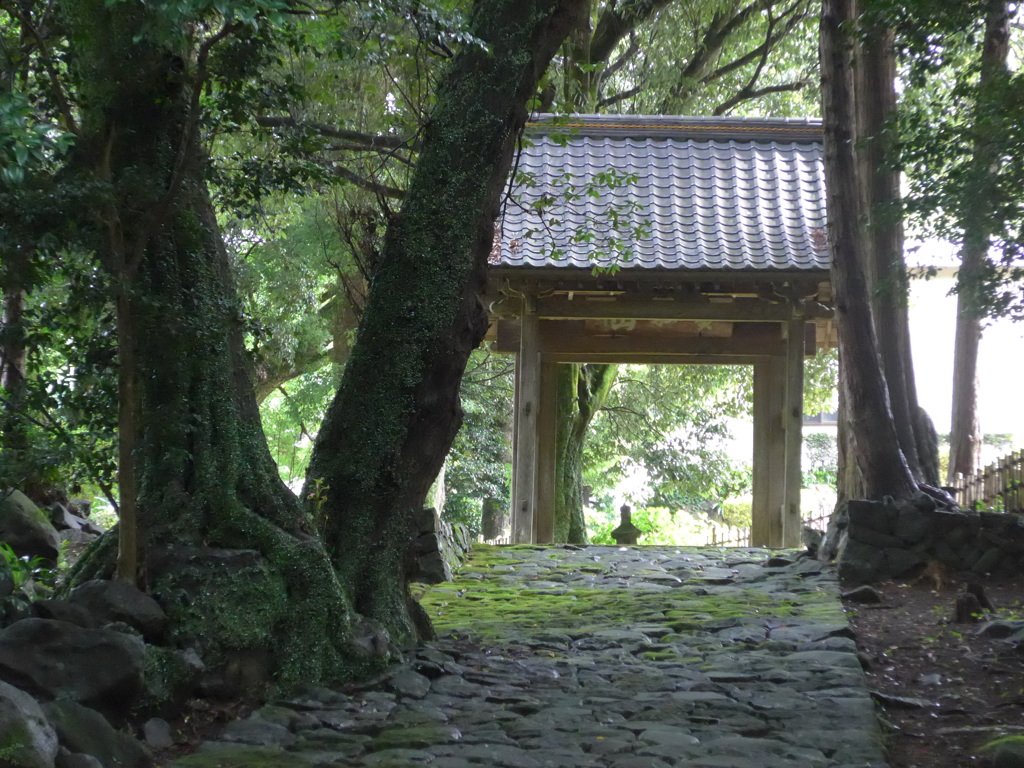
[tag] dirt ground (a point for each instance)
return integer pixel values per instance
(944, 691)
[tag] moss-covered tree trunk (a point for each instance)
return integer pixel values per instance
(581, 391)
(220, 537)
(396, 412)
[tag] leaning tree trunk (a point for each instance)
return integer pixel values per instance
(581, 391)
(396, 412)
(872, 429)
(220, 537)
(965, 434)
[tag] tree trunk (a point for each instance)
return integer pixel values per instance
(129, 560)
(493, 519)
(872, 429)
(883, 243)
(965, 434)
(581, 75)
(221, 539)
(849, 481)
(581, 391)
(396, 412)
(13, 384)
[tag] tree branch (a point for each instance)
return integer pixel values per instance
(617, 21)
(627, 55)
(772, 37)
(747, 94)
(711, 44)
(368, 141)
(63, 104)
(368, 184)
(615, 98)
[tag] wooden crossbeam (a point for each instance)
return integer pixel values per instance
(558, 338)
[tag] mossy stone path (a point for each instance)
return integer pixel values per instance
(639, 657)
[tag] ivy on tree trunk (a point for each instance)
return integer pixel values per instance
(203, 477)
(397, 409)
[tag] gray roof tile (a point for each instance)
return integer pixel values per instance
(703, 194)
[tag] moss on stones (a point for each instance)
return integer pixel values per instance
(482, 602)
(238, 756)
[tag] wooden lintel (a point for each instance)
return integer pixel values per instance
(738, 310)
(644, 359)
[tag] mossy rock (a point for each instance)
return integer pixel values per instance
(222, 755)
(26, 528)
(413, 737)
(170, 678)
(229, 596)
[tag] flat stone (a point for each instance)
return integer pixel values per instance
(414, 737)
(257, 732)
(409, 683)
(492, 755)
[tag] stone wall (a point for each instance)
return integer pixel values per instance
(873, 541)
(438, 547)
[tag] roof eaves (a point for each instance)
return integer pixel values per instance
(793, 130)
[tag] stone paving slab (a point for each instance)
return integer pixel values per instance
(598, 657)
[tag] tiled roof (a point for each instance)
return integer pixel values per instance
(667, 192)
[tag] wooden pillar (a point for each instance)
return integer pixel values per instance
(526, 411)
(769, 454)
(794, 422)
(513, 500)
(544, 496)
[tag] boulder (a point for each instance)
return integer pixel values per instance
(80, 507)
(62, 610)
(54, 659)
(68, 759)
(64, 519)
(117, 601)
(26, 528)
(158, 733)
(26, 738)
(1004, 753)
(85, 731)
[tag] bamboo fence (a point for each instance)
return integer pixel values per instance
(999, 485)
(732, 536)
